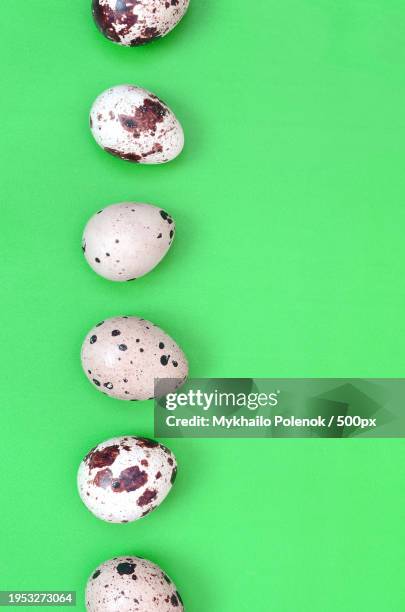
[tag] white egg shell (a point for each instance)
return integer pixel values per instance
(136, 22)
(133, 124)
(124, 479)
(131, 584)
(123, 356)
(126, 241)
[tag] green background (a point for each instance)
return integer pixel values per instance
(288, 261)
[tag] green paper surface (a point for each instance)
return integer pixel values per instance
(288, 262)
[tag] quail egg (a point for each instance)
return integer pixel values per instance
(131, 584)
(123, 242)
(136, 22)
(124, 479)
(123, 357)
(131, 123)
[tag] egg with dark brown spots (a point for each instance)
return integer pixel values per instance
(136, 22)
(133, 124)
(131, 584)
(123, 356)
(125, 241)
(124, 479)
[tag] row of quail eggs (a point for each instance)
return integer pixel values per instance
(124, 479)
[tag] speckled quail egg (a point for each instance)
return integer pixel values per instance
(124, 479)
(136, 22)
(125, 241)
(133, 124)
(123, 356)
(131, 584)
